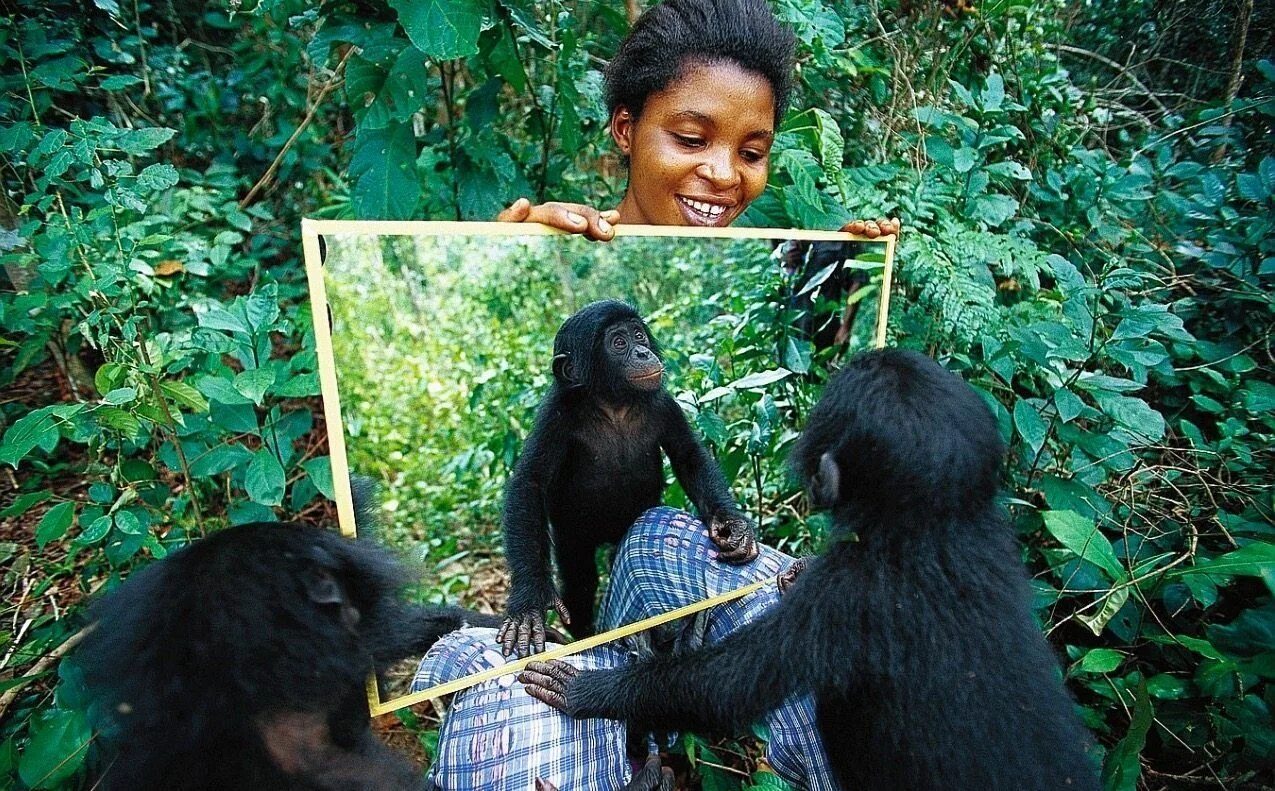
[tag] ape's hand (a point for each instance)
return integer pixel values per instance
(524, 632)
(735, 538)
(789, 575)
(551, 683)
(651, 777)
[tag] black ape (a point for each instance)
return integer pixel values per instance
(592, 465)
(917, 640)
(239, 662)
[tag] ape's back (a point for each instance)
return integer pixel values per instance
(953, 685)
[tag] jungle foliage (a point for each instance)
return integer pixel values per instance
(1088, 193)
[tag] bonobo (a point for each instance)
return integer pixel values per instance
(916, 640)
(592, 465)
(240, 662)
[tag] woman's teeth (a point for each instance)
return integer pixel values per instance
(710, 210)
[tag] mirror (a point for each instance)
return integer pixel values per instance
(435, 345)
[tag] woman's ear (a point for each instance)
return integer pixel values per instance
(622, 122)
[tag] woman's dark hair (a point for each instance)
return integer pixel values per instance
(675, 33)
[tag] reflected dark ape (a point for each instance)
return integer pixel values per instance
(917, 640)
(592, 465)
(818, 268)
(240, 662)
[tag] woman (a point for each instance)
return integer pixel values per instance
(695, 93)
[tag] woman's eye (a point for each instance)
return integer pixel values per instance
(752, 156)
(686, 140)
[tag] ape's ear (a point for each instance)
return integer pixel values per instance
(321, 587)
(825, 485)
(563, 370)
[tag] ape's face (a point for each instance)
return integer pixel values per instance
(630, 356)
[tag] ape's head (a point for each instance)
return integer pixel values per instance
(606, 350)
(895, 432)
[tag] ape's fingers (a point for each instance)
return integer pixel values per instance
(525, 630)
(561, 609)
(555, 669)
(507, 635)
(543, 694)
(538, 634)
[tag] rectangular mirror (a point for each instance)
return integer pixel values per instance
(435, 345)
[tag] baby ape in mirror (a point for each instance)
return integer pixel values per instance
(592, 465)
(917, 640)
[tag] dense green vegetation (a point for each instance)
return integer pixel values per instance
(1088, 193)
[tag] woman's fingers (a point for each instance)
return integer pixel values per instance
(570, 217)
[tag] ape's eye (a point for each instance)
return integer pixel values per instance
(618, 343)
(640, 336)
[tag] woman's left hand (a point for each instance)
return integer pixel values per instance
(873, 228)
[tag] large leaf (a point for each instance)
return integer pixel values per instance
(442, 29)
(1122, 768)
(56, 748)
(1083, 537)
(384, 168)
(264, 479)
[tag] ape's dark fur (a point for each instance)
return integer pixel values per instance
(917, 640)
(825, 321)
(592, 465)
(239, 662)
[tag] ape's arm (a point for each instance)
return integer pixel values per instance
(406, 630)
(704, 484)
(526, 529)
(727, 685)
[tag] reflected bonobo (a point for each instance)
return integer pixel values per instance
(917, 640)
(592, 465)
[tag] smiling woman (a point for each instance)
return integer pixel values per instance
(695, 93)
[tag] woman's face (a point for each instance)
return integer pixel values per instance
(700, 151)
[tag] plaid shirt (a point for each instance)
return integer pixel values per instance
(497, 738)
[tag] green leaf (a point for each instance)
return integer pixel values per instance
(139, 141)
(119, 81)
(184, 395)
(1085, 540)
(1167, 687)
(320, 471)
(1122, 768)
(96, 530)
(1134, 414)
(24, 503)
(384, 168)
(442, 29)
(254, 384)
(157, 177)
(127, 522)
(37, 428)
(222, 458)
(1259, 397)
(121, 395)
(1253, 560)
(1031, 426)
(1069, 405)
(264, 479)
(796, 357)
(54, 524)
(761, 378)
(56, 748)
(220, 389)
(1100, 660)
(115, 418)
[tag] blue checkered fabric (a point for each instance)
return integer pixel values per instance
(497, 737)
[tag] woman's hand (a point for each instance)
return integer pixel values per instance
(570, 217)
(873, 228)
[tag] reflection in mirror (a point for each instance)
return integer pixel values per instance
(443, 347)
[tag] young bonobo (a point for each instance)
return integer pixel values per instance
(917, 640)
(240, 662)
(592, 465)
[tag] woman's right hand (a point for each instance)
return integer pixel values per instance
(570, 217)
